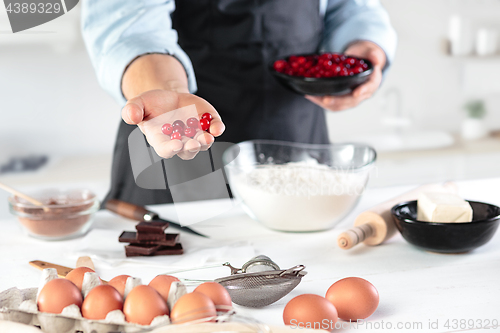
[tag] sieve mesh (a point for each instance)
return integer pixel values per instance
(262, 288)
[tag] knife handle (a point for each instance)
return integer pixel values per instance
(128, 210)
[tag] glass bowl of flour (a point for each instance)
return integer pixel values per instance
(298, 187)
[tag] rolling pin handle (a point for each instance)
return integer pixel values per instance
(354, 236)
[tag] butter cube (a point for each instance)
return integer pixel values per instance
(443, 207)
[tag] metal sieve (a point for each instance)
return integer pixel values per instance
(259, 263)
(260, 288)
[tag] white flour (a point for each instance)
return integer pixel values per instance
(299, 196)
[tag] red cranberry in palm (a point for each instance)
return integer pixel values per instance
(207, 115)
(167, 129)
(179, 123)
(176, 136)
(177, 129)
(193, 123)
(190, 132)
(205, 124)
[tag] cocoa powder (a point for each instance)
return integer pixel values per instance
(63, 218)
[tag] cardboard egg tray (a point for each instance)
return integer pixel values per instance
(20, 305)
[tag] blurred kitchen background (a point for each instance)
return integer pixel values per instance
(436, 117)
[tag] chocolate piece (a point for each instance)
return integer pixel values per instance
(162, 250)
(149, 237)
(155, 227)
(141, 249)
(170, 240)
(131, 237)
(169, 250)
(128, 237)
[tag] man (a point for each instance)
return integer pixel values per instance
(162, 55)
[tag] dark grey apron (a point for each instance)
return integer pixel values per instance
(231, 43)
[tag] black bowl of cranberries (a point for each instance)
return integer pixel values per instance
(322, 74)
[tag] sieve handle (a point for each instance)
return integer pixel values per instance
(295, 270)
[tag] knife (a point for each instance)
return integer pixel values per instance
(140, 213)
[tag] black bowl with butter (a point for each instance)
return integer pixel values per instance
(447, 237)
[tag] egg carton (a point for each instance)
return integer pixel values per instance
(20, 305)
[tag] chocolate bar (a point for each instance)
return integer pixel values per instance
(169, 250)
(134, 251)
(150, 237)
(155, 227)
(140, 249)
(131, 237)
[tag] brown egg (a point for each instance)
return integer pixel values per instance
(101, 300)
(193, 306)
(310, 311)
(119, 283)
(143, 304)
(162, 283)
(354, 297)
(76, 275)
(217, 293)
(58, 294)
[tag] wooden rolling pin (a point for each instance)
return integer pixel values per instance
(376, 225)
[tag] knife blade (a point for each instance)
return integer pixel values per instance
(139, 213)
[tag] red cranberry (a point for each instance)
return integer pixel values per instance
(190, 132)
(177, 129)
(207, 115)
(327, 63)
(167, 129)
(329, 73)
(179, 123)
(205, 124)
(280, 65)
(193, 122)
(358, 69)
(176, 136)
(350, 61)
(289, 71)
(365, 66)
(343, 72)
(336, 57)
(326, 56)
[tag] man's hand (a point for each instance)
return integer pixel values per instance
(365, 50)
(156, 88)
(143, 109)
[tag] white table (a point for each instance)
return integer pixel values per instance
(416, 287)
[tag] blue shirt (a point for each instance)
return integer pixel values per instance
(118, 31)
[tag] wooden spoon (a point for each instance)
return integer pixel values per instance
(24, 196)
(62, 271)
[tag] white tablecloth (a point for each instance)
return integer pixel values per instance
(419, 291)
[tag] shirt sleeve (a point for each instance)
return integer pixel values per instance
(117, 31)
(347, 21)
